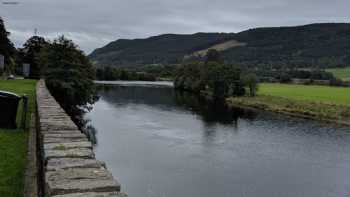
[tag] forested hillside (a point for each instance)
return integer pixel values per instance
(315, 45)
(163, 49)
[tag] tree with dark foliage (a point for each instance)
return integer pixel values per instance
(69, 76)
(218, 79)
(213, 56)
(31, 51)
(6, 48)
(112, 74)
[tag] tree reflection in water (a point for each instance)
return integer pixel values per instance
(210, 111)
(213, 111)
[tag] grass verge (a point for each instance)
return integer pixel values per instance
(13, 143)
(316, 102)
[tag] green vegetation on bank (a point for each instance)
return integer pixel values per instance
(215, 78)
(284, 75)
(144, 73)
(318, 102)
(341, 73)
(13, 143)
(112, 74)
(312, 93)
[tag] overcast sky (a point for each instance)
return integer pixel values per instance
(94, 23)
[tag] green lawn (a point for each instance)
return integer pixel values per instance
(341, 73)
(13, 143)
(324, 94)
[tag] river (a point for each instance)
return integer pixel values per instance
(159, 143)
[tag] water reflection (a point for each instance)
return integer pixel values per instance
(167, 99)
(212, 111)
(90, 131)
(84, 124)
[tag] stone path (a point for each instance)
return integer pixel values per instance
(70, 167)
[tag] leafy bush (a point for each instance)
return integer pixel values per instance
(30, 54)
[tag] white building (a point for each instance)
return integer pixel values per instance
(26, 70)
(2, 62)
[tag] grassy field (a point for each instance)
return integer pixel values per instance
(341, 73)
(318, 102)
(324, 94)
(13, 143)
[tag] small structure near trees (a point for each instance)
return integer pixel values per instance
(26, 70)
(251, 81)
(2, 62)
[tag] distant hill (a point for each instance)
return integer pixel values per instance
(315, 45)
(163, 49)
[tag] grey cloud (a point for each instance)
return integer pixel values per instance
(93, 23)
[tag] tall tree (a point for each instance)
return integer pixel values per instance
(69, 76)
(7, 48)
(31, 51)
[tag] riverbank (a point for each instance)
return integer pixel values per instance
(323, 103)
(13, 142)
(341, 73)
(136, 83)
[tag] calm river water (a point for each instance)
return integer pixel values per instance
(159, 143)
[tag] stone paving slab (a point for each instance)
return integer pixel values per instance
(64, 138)
(67, 145)
(94, 194)
(58, 127)
(65, 163)
(47, 112)
(59, 131)
(55, 121)
(64, 135)
(48, 140)
(69, 153)
(55, 118)
(47, 116)
(76, 180)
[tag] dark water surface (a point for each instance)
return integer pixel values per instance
(159, 143)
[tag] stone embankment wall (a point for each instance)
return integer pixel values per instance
(68, 164)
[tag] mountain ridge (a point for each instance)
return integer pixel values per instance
(318, 44)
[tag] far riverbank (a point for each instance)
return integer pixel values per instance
(137, 83)
(324, 103)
